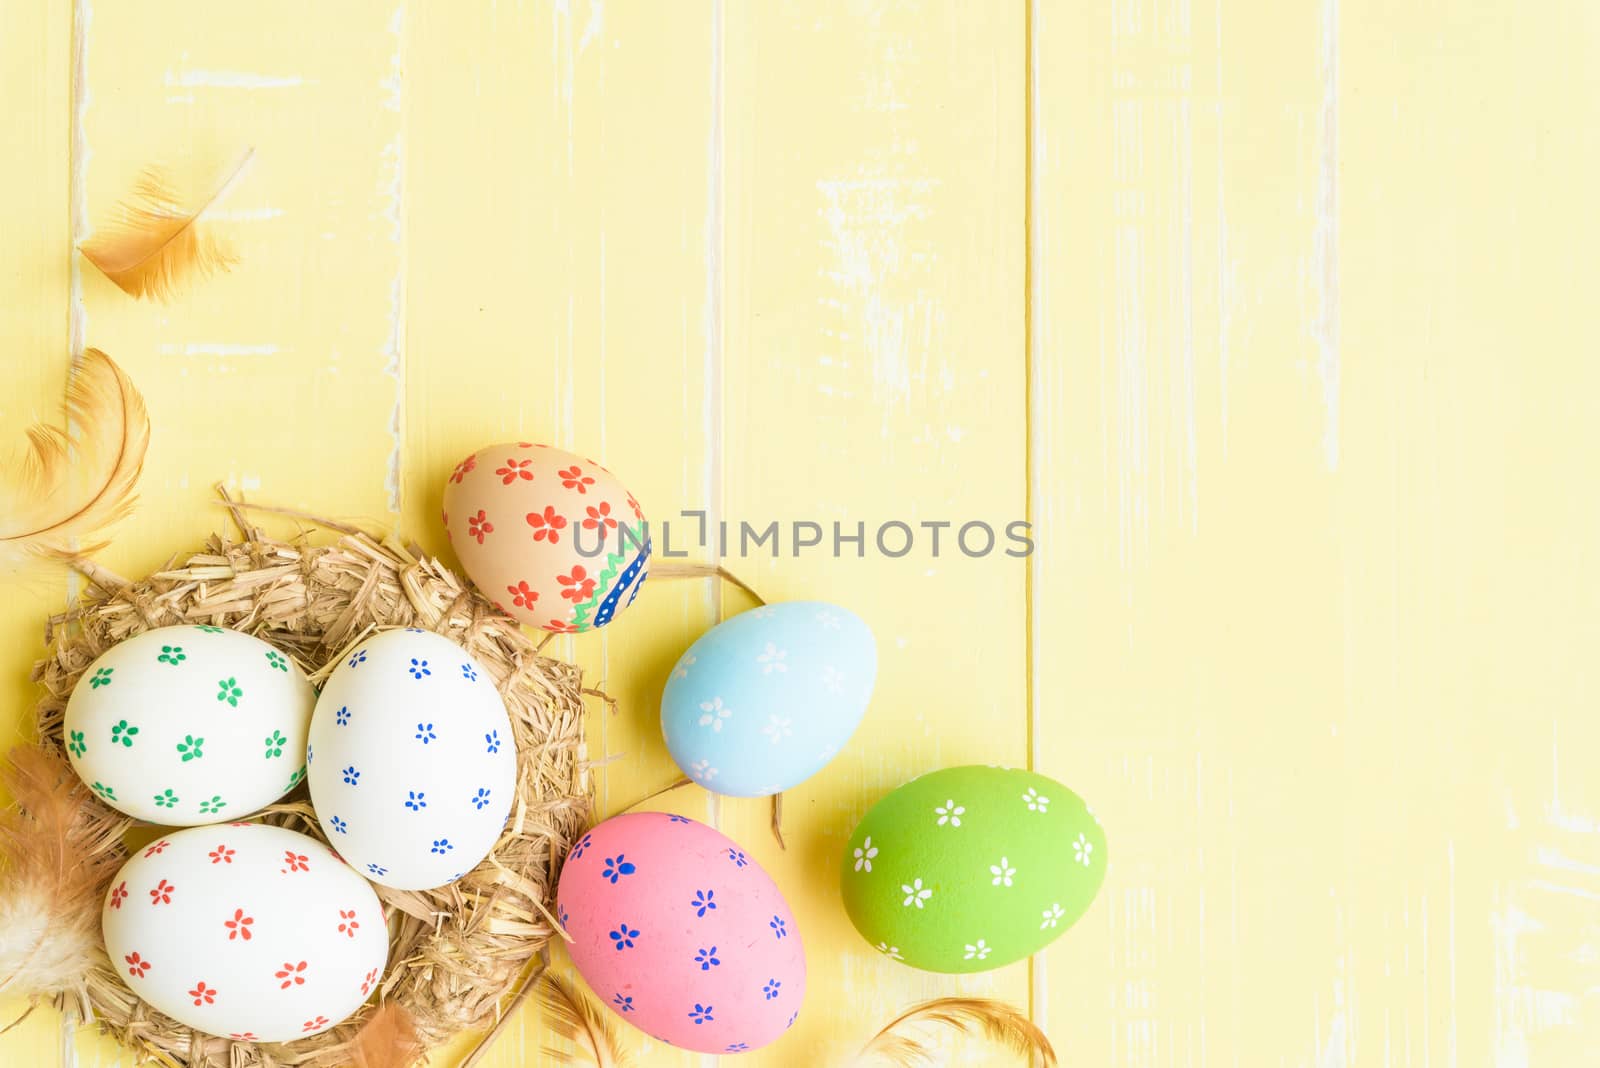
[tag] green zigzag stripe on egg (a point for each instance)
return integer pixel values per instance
(608, 575)
(616, 563)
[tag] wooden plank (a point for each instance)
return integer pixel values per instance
(35, 58)
(1188, 585)
(559, 290)
(278, 377)
(1310, 392)
(1468, 147)
(872, 373)
(286, 366)
(1308, 412)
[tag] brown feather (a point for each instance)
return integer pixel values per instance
(575, 1017)
(388, 1040)
(52, 873)
(994, 1020)
(158, 239)
(76, 481)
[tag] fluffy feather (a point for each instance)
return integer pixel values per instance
(159, 238)
(575, 1017)
(388, 1040)
(994, 1020)
(74, 482)
(52, 872)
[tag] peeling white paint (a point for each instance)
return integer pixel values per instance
(1225, 268)
(244, 214)
(1325, 239)
(77, 315)
(1334, 1047)
(1563, 888)
(394, 158)
(1131, 382)
(232, 79)
(1524, 1006)
(866, 215)
(593, 27)
(1560, 817)
(217, 348)
(1555, 858)
(711, 371)
(1183, 135)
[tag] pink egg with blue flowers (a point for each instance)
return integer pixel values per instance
(682, 934)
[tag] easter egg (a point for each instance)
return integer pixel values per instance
(680, 933)
(412, 762)
(189, 725)
(245, 930)
(763, 700)
(969, 868)
(552, 538)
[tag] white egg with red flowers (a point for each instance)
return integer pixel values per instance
(245, 930)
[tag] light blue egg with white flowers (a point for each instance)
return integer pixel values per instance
(762, 701)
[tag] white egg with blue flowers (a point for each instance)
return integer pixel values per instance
(762, 701)
(411, 760)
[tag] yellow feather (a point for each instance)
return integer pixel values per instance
(575, 1017)
(74, 482)
(994, 1020)
(159, 239)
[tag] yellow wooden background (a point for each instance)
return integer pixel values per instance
(1276, 318)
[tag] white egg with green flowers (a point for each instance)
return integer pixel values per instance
(189, 725)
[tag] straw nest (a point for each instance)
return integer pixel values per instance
(455, 952)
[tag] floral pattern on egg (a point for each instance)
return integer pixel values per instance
(762, 701)
(969, 868)
(245, 930)
(414, 774)
(550, 537)
(680, 933)
(166, 726)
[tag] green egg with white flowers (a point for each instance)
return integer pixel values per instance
(970, 868)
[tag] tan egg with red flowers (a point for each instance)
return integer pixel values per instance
(551, 537)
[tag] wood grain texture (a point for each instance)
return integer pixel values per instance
(1272, 319)
(35, 83)
(276, 378)
(874, 332)
(560, 266)
(34, 56)
(1308, 403)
